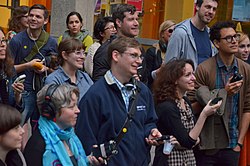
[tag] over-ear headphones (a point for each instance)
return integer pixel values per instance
(48, 108)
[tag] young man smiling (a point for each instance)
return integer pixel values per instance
(103, 114)
(29, 47)
(190, 39)
(126, 22)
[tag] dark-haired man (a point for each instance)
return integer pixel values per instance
(28, 48)
(190, 39)
(223, 133)
(126, 23)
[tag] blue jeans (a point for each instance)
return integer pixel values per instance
(30, 108)
(224, 157)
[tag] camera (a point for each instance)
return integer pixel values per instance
(236, 77)
(105, 150)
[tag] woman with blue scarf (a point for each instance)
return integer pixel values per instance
(55, 142)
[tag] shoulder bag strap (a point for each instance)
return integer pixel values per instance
(41, 41)
(131, 113)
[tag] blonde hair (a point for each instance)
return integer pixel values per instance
(165, 25)
(243, 36)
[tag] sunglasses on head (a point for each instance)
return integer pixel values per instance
(170, 31)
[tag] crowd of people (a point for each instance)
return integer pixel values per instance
(106, 100)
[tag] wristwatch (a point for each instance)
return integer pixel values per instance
(240, 145)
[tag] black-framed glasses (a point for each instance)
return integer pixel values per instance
(134, 56)
(4, 41)
(230, 38)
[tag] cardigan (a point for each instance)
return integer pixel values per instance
(206, 76)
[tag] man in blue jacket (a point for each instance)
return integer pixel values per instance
(190, 39)
(105, 107)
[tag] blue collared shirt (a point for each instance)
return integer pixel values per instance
(124, 91)
(83, 81)
(223, 73)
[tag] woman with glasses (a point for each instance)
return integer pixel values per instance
(74, 24)
(18, 22)
(10, 92)
(104, 28)
(244, 47)
(71, 57)
(11, 134)
(155, 55)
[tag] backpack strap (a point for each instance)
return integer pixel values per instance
(39, 43)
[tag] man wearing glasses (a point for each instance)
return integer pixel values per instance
(223, 134)
(107, 104)
(190, 39)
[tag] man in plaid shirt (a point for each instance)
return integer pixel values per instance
(222, 136)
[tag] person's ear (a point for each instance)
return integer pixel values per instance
(118, 23)
(46, 21)
(115, 55)
(216, 43)
(197, 8)
(102, 34)
(64, 55)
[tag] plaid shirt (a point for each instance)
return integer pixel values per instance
(182, 156)
(124, 90)
(223, 73)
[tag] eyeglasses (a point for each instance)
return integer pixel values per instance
(244, 46)
(78, 52)
(230, 38)
(4, 41)
(110, 28)
(134, 56)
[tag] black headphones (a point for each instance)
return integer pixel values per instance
(48, 108)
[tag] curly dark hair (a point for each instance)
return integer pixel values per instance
(215, 29)
(164, 86)
(15, 21)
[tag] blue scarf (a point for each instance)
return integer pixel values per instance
(55, 151)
